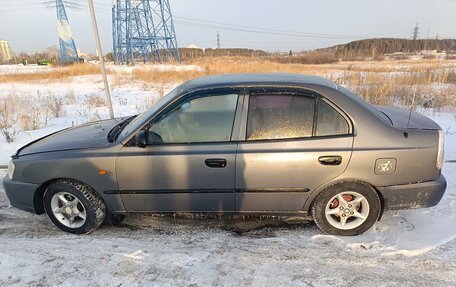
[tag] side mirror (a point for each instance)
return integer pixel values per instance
(141, 140)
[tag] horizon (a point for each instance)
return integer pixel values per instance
(55, 46)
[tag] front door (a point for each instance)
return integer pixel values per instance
(294, 142)
(189, 162)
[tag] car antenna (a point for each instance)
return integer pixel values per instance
(411, 107)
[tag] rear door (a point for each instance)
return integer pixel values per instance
(294, 140)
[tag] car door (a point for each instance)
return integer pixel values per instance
(294, 140)
(188, 164)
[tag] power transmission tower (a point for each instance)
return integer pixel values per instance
(68, 51)
(416, 32)
(143, 30)
(218, 40)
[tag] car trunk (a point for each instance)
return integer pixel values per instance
(405, 119)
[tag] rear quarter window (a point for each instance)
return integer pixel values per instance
(329, 122)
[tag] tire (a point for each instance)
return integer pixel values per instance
(74, 207)
(347, 209)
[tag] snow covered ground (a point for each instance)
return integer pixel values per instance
(406, 248)
(21, 69)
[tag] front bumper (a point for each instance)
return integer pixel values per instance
(415, 195)
(20, 194)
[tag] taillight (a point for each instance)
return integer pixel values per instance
(440, 152)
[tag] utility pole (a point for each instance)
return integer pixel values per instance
(427, 38)
(373, 51)
(437, 42)
(100, 56)
(218, 40)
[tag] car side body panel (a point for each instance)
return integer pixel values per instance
(414, 150)
(80, 165)
(279, 175)
(169, 178)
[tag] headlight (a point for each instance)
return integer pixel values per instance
(11, 168)
(440, 151)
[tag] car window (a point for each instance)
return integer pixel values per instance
(203, 119)
(329, 121)
(280, 116)
(142, 118)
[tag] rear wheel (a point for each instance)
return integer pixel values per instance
(348, 208)
(74, 207)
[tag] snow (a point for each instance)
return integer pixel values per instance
(21, 69)
(156, 67)
(129, 99)
(405, 248)
(163, 251)
(33, 68)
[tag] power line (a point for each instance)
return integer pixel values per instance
(261, 30)
(50, 4)
(106, 8)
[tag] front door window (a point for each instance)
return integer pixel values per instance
(199, 120)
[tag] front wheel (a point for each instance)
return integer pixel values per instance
(348, 208)
(74, 207)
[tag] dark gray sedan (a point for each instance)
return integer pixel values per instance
(276, 144)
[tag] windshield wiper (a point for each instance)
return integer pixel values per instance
(115, 131)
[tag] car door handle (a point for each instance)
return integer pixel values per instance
(215, 162)
(330, 160)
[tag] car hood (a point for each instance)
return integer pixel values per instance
(89, 135)
(403, 119)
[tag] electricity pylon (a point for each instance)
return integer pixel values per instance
(68, 51)
(143, 30)
(416, 32)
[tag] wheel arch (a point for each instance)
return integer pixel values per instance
(313, 196)
(39, 194)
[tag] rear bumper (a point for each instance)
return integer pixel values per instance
(416, 195)
(20, 194)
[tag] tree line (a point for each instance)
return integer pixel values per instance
(357, 50)
(383, 46)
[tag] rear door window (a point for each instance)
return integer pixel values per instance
(280, 116)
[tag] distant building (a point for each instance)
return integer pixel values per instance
(192, 46)
(5, 51)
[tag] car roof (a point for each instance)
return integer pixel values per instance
(232, 80)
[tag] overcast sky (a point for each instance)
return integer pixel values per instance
(29, 26)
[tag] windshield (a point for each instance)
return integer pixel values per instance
(114, 132)
(144, 117)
